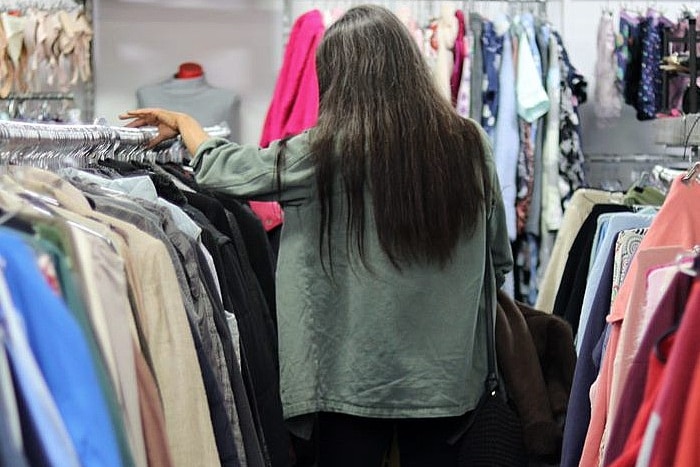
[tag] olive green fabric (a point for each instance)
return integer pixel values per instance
(377, 343)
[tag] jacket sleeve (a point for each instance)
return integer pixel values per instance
(248, 171)
(501, 253)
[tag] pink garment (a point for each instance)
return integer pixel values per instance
(633, 327)
(656, 371)
(677, 223)
(460, 51)
(269, 212)
(294, 106)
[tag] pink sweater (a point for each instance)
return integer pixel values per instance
(294, 106)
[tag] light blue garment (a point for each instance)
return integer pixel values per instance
(616, 224)
(141, 187)
(52, 440)
(601, 229)
(507, 136)
(60, 349)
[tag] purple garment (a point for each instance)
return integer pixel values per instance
(677, 84)
(666, 315)
(649, 93)
(492, 50)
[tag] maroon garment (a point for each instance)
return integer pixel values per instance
(670, 405)
(459, 54)
(655, 376)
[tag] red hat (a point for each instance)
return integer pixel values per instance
(189, 70)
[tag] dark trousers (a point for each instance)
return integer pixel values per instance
(348, 441)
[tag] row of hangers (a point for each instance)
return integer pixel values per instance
(52, 146)
(421, 10)
(643, 8)
(43, 5)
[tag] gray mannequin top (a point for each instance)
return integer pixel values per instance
(209, 105)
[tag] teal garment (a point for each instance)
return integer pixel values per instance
(386, 343)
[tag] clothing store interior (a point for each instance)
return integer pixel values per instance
(145, 318)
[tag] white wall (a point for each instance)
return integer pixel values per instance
(141, 42)
(239, 42)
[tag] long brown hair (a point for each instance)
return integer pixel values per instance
(384, 126)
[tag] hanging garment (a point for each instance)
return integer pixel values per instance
(676, 224)
(572, 288)
(464, 89)
(578, 210)
(46, 435)
(507, 141)
(294, 105)
(533, 101)
(552, 211)
(172, 349)
(662, 432)
(650, 76)
(606, 98)
(609, 226)
(571, 163)
(492, 49)
(662, 286)
(61, 351)
(688, 454)
(630, 29)
(525, 172)
(460, 51)
(476, 24)
(656, 372)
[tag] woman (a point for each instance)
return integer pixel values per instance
(388, 202)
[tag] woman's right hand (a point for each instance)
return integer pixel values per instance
(167, 122)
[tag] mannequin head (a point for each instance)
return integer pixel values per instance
(189, 70)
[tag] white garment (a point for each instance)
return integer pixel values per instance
(552, 212)
(607, 101)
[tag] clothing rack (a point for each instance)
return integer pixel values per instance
(88, 142)
(51, 145)
(40, 96)
(427, 5)
(44, 5)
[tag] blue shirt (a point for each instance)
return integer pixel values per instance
(507, 135)
(62, 353)
(616, 224)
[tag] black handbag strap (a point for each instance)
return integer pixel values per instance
(491, 382)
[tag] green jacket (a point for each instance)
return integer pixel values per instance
(386, 343)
